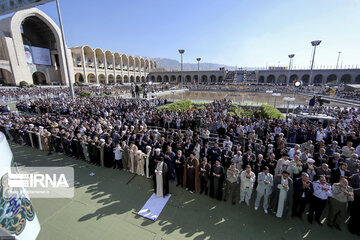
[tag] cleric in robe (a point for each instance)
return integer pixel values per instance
(281, 196)
(161, 180)
(217, 177)
(191, 179)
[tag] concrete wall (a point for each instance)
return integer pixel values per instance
(319, 76)
(206, 77)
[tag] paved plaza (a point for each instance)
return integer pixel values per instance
(104, 206)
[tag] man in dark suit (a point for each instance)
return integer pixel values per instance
(303, 190)
(259, 164)
(226, 157)
(249, 159)
(339, 172)
(204, 152)
(321, 158)
(205, 169)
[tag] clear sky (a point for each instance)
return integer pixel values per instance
(246, 33)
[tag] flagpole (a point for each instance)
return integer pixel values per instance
(65, 50)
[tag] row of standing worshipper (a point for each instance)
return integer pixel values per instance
(194, 173)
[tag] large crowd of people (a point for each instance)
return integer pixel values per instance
(289, 165)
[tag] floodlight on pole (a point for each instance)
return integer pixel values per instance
(291, 56)
(337, 62)
(314, 44)
(181, 51)
(198, 60)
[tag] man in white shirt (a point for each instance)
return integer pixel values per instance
(322, 191)
(247, 183)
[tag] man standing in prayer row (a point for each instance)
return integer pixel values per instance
(232, 181)
(322, 191)
(191, 179)
(281, 196)
(217, 179)
(342, 194)
(303, 190)
(161, 181)
(246, 186)
(264, 189)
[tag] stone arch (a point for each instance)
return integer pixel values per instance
(305, 79)
(125, 64)
(117, 61)
(147, 65)
(357, 79)
(179, 79)
(137, 64)
(39, 78)
(132, 79)
(79, 78)
(100, 58)
(89, 56)
(221, 79)
(143, 79)
(187, 79)
(195, 77)
(137, 79)
(119, 79)
(109, 60)
(111, 79)
(213, 79)
(346, 79)
(6, 77)
(126, 79)
(270, 79)
(173, 79)
(159, 79)
(131, 64)
(34, 28)
(261, 79)
(152, 78)
(166, 78)
(204, 79)
(331, 78)
(282, 79)
(91, 78)
(102, 79)
(318, 79)
(293, 78)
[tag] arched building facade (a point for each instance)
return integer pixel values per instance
(31, 50)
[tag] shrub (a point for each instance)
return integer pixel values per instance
(85, 93)
(23, 84)
(270, 112)
(178, 106)
(32, 85)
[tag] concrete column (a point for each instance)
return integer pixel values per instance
(84, 64)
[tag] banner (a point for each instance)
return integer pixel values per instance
(41, 56)
(37, 55)
(240, 77)
(8, 6)
(20, 219)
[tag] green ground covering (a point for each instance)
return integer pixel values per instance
(103, 207)
(264, 111)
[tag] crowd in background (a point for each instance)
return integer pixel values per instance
(288, 164)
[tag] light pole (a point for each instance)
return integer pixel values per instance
(291, 56)
(181, 51)
(198, 60)
(337, 62)
(72, 94)
(314, 44)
